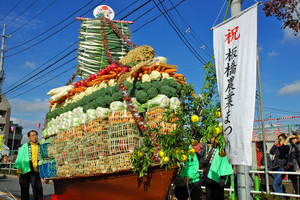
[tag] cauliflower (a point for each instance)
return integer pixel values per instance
(171, 78)
(145, 78)
(165, 75)
(103, 84)
(112, 82)
(130, 79)
(155, 76)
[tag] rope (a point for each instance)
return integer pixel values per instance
(219, 14)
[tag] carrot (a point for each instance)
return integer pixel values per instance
(158, 68)
(140, 74)
(112, 72)
(170, 70)
(139, 78)
(163, 69)
(108, 76)
(50, 106)
(145, 72)
(178, 75)
(134, 74)
(143, 68)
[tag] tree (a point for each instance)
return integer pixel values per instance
(286, 10)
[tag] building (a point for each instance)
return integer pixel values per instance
(5, 111)
(18, 136)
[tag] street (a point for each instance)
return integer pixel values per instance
(10, 184)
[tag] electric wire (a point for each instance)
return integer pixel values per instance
(48, 36)
(21, 13)
(126, 8)
(145, 13)
(157, 16)
(11, 10)
(9, 91)
(53, 26)
(42, 65)
(187, 33)
(187, 26)
(136, 9)
(181, 36)
(43, 82)
(34, 17)
(42, 76)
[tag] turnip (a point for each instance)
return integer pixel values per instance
(92, 77)
(113, 66)
(78, 83)
(102, 72)
(108, 68)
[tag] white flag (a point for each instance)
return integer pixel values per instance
(235, 55)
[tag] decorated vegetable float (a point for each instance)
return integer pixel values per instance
(120, 132)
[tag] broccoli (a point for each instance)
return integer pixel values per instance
(156, 84)
(146, 86)
(108, 99)
(101, 102)
(109, 90)
(174, 84)
(166, 81)
(128, 84)
(152, 92)
(166, 90)
(117, 88)
(173, 92)
(141, 96)
(84, 100)
(117, 96)
(84, 108)
(138, 85)
(101, 92)
(72, 106)
(92, 105)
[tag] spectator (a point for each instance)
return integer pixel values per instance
(280, 151)
(295, 140)
(188, 182)
(215, 173)
(5, 160)
(14, 159)
(260, 149)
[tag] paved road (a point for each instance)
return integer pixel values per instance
(11, 184)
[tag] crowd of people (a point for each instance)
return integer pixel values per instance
(286, 157)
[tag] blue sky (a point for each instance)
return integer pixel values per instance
(278, 49)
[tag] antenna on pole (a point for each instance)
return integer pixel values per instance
(2, 58)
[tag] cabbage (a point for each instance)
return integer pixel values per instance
(102, 112)
(75, 122)
(79, 111)
(158, 101)
(91, 114)
(116, 105)
(174, 102)
(83, 118)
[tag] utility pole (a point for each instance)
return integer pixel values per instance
(244, 181)
(2, 57)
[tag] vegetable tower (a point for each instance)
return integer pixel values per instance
(95, 125)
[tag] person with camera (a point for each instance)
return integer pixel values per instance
(294, 161)
(280, 152)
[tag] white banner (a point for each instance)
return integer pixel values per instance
(235, 55)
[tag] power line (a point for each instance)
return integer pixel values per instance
(44, 82)
(22, 12)
(180, 35)
(126, 7)
(146, 12)
(187, 26)
(11, 10)
(34, 17)
(50, 35)
(156, 16)
(136, 9)
(52, 26)
(9, 91)
(41, 65)
(44, 75)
